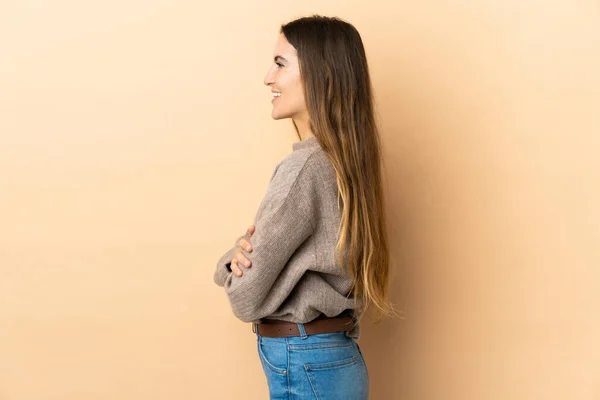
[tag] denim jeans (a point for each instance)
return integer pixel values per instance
(323, 366)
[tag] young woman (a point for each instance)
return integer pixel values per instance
(318, 254)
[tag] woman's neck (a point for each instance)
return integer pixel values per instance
(303, 128)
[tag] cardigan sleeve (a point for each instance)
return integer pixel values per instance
(285, 222)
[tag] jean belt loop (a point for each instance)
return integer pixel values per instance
(303, 334)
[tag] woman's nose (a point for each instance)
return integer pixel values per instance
(268, 78)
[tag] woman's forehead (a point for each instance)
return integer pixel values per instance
(284, 49)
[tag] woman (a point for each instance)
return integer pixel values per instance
(289, 280)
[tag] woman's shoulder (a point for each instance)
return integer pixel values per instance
(311, 162)
(303, 170)
(294, 164)
(293, 179)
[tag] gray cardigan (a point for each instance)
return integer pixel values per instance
(294, 274)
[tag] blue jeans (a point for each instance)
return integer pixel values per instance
(324, 366)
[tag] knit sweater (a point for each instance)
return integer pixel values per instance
(294, 275)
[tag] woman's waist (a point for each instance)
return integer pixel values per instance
(345, 313)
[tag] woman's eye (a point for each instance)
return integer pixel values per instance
(279, 64)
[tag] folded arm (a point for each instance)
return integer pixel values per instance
(288, 221)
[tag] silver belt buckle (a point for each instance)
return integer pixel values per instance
(254, 327)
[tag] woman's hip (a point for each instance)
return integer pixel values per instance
(321, 366)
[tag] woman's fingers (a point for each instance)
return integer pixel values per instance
(246, 245)
(241, 258)
(235, 268)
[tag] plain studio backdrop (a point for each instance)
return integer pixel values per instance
(136, 144)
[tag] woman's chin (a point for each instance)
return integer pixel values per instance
(275, 115)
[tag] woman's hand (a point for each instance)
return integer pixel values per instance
(240, 257)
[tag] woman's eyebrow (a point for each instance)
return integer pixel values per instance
(280, 58)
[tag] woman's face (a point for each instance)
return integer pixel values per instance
(284, 77)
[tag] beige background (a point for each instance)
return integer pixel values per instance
(136, 144)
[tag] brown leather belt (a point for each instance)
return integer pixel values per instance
(276, 328)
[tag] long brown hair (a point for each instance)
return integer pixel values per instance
(338, 94)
